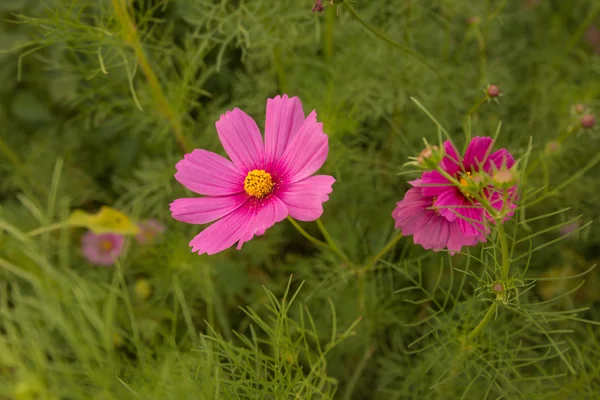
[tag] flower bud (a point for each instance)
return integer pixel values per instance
(117, 340)
(588, 121)
(504, 179)
(493, 91)
(500, 290)
(318, 6)
(498, 287)
(474, 20)
(142, 289)
(578, 108)
(430, 157)
(552, 148)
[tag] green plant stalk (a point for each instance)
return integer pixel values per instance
(505, 259)
(386, 39)
(306, 234)
(504, 273)
(476, 106)
(47, 228)
(163, 106)
(331, 243)
(389, 246)
(486, 318)
(504, 249)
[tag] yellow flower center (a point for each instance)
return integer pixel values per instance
(433, 207)
(106, 245)
(258, 183)
(464, 182)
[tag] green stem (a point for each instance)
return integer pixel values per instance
(306, 234)
(8, 153)
(476, 106)
(559, 140)
(386, 39)
(488, 316)
(390, 245)
(163, 105)
(505, 270)
(504, 250)
(47, 228)
(331, 243)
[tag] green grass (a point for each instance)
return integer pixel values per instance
(99, 101)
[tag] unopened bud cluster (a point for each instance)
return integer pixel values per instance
(428, 158)
(587, 119)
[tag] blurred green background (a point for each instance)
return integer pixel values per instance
(98, 101)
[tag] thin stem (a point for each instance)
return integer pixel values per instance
(331, 243)
(386, 39)
(8, 153)
(476, 106)
(488, 316)
(559, 140)
(47, 228)
(163, 105)
(504, 249)
(390, 245)
(306, 234)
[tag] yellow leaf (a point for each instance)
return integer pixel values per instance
(107, 220)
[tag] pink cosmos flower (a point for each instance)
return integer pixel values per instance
(101, 249)
(262, 184)
(149, 230)
(454, 202)
(593, 38)
(417, 215)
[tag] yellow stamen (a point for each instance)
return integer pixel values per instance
(106, 245)
(433, 207)
(464, 181)
(258, 183)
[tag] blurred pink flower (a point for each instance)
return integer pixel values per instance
(454, 202)
(262, 184)
(417, 215)
(592, 36)
(318, 6)
(101, 249)
(570, 228)
(149, 230)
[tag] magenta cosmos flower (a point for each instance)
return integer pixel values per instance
(417, 215)
(149, 231)
(101, 249)
(454, 202)
(262, 184)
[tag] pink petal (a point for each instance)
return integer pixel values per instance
(306, 152)
(210, 174)
(304, 199)
(265, 214)
(415, 217)
(222, 234)
(253, 218)
(496, 199)
(471, 222)
(417, 182)
(449, 203)
(241, 139)
(411, 212)
(91, 244)
(477, 153)
(452, 161)
(284, 118)
(433, 183)
(456, 239)
(202, 210)
(499, 159)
